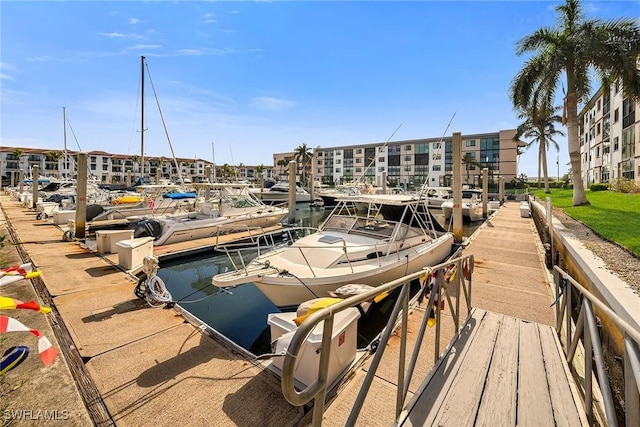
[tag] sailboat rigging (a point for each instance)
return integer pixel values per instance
(143, 66)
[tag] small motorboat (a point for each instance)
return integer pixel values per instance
(367, 239)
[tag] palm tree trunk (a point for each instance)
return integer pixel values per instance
(573, 139)
(543, 158)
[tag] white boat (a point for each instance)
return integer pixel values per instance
(330, 196)
(394, 236)
(234, 208)
(471, 205)
(279, 193)
(436, 196)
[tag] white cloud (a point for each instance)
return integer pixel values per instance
(134, 21)
(43, 58)
(113, 35)
(272, 104)
(145, 46)
(4, 76)
(190, 52)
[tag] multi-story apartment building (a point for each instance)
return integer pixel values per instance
(608, 129)
(113, 168)
(413, 163)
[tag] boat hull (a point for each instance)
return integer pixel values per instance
(184, 230)
(288, 291)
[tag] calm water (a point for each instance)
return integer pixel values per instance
(241, 313)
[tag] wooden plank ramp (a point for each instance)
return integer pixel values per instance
(499, 371)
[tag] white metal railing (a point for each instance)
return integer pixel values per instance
(380, 251)
(449, 277)
(585, 332)
(257, 240)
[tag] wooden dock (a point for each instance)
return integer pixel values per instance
(499, 371)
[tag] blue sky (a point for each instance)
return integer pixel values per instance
(254, 78)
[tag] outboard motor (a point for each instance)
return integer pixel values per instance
(146, 228)
(93, 211)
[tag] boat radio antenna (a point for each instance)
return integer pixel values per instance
(374, 157)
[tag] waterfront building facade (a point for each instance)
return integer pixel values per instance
(413, 163)
(609, 142)
(113, 168)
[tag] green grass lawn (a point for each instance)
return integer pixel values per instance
(614, 216)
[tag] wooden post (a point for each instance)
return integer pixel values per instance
(292, 191)
(485, 191)
(20, 181)
(128, 178)
(81, 201)
(384, 182)
(501, 191)
(35, 174)
(13, 179)
(457, 186)
(158, 175)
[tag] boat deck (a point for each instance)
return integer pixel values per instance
(164, 365)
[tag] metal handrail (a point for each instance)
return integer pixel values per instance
(587, 328)
(317, 390)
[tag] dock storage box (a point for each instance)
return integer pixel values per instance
(106, 240)
(131, 252)
(343, 345)
(63, 216)
(525, 210)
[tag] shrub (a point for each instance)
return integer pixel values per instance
(599, 187)
(624, 185)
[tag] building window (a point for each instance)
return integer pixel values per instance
(616, 115)
(598, 129)
(407, 148)
(437, 168)
(471, 143)
(437, 145)
(358, 170)
(338, 161)
(338, 170)
(437, 156)
(359, 151)
(358, 160)
(381, 159)
(598, 106)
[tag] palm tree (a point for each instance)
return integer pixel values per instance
(303, 156)
(539, 125)
(576, 47)
(469, 162)
(55, 156)
(282, 163)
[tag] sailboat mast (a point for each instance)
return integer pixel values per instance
(213, 153)
(64, 134)
(142, 117)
